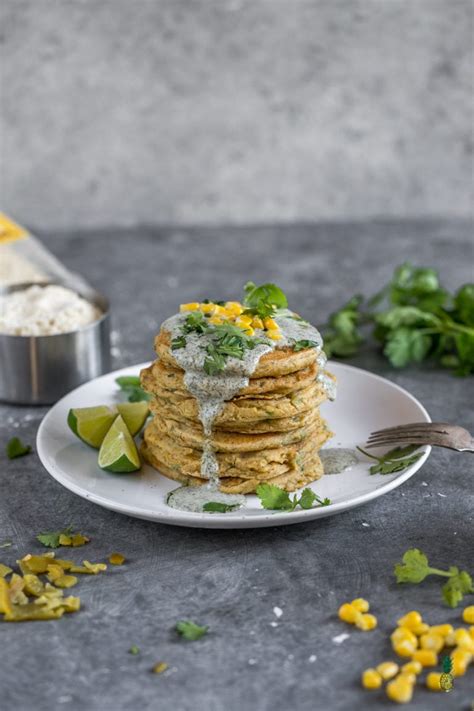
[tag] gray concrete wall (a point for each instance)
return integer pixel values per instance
(118, 112)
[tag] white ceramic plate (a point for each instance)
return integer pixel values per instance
(365, 402)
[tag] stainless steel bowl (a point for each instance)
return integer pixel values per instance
(38, 370)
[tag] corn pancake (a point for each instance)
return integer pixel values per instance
(260, 465)
(158, 375)
(193, 436)
(263, 426)
(289, 481)
(281, 361)
(242, 411)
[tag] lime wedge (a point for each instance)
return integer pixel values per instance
(134, 415)
(91, 424)
(118, 452)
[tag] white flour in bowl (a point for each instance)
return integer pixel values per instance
(45, 311)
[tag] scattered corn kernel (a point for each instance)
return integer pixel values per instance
(403, 634)
(426, 657)
(408, 677)
(432, 641)
(274, 335)
(460, 659)
(463, 639)
(5, 604)
(270, 324)
(468, 614)
(471, 631)
(348, 613)
(387, 670)
(371, 679)
(33, 585)
(404, 648)
(420, 629)
(366, 622)
(360, 604)
(399, 690)
(412, 668)
(433, 681)
(116, 558)
(443, 630)
(410, 620)
(160, 668)
(193, 306)
(4, 570)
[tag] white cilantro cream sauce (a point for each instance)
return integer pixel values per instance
(212, 391)
(337, 459)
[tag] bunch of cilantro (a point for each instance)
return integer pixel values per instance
(414, 319)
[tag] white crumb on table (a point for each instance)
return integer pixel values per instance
(340, 638)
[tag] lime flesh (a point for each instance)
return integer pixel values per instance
(134, 415)
(118, 452)
(91, 424)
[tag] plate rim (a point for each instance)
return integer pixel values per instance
(224, 521)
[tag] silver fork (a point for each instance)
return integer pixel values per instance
(438, 434)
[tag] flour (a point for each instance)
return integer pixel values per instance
(45, 311)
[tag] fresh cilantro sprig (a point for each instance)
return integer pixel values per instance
(130, 386)
(16, 448)
(227, 341)
(396, 460)
(277, 499)
(195, 322)
(413, 317)
(190, 630)
(219, 507)
(414, 568)
(263, 300)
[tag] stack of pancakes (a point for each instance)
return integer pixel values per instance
(271, 431)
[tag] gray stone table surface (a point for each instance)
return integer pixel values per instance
(232, 580)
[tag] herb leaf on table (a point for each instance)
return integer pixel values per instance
(190, 630)
(16, 448)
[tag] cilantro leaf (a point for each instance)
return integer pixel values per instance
(190, 630)
(464, 304)
(219, 507)
(341, 334)
(263, 300)
(406, 345)
(50, 539)
(303, 344)
(178, 342)
(393, 461)
(276, 499)
(131, 387)
(134, 649)
(195, 322)
(16, 448)
(414, 568)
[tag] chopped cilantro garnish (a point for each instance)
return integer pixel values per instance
(303, 344)
(190, 630)
(276, 499)
(66, 537)
(227, 341)
(219, 507)
(16, 448)
(134, 649)
(130, 385)
(178, 342)
(195, 322)
(414, 568)
(396, 460)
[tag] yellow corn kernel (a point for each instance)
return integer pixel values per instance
(5, 603)
(404, 648)
(426, 657)
(468, 614)
(208, 308)
(400, 691)
(471, 631)
(420, 629)
(274, 335)
(243, 321)
(366, 622)
(216, 320)
(234, 308)
(71, 604)
(257, 322)
(160, 668)
(433, 681)
(116, 559)
(412, 668)
(5, 570)
(371, 679)
(249, 331)
(464, 640)
(220, 310)
(409, 677)
(443, 630)
(432, 641)
(410, 620)
(348, 613)
(270, 324)
(360, 604)
(460, 659)
(387, 670)
(403, 634)
(193, 306)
